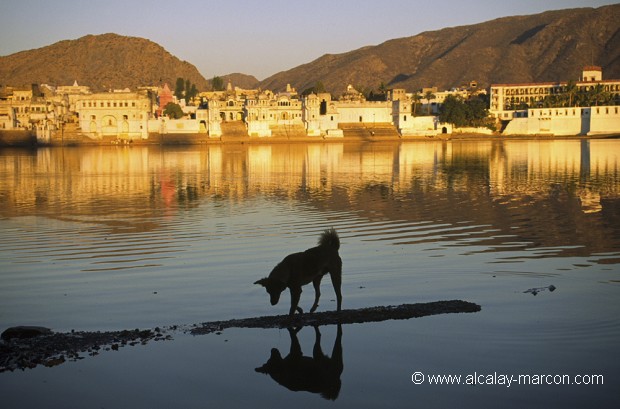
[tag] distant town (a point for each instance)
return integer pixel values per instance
(72, 114)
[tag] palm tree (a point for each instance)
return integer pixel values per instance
(570, 91)
(597, 94)
(416, 98)
(429, 95)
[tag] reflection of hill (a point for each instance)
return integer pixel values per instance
(529, 191)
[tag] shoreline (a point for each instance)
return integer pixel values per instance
(25, 139)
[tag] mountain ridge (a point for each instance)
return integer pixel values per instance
(103, 62)
(549, 46)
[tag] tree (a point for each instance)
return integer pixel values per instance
(318, 88)
(460, 113)
(416, 100)
(217, 84)
(551, 101)
(379, 95)
(192, 92)
(570, 91)
(477, 112)
(179, 89)
(184, 89)
(597, 95)
(173, 111)
(429, 95)
(453, 111)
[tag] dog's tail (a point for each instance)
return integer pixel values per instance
(329, 238)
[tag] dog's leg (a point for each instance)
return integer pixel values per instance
(295, 295)
(317, 352)
(337, 352)
(317, 292)
(336, 275)
(295, 350)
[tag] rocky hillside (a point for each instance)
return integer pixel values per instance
(240, 80)
(107, 61)
(550, 46)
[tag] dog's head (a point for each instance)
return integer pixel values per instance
(273, 287)
(274, 365)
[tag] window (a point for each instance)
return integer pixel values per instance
(323, 108)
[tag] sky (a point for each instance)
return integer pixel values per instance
(259, 38)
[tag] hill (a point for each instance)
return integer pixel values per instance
(242, 81)
(107, 61)
(550, 46)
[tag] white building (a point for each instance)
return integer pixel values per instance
(507, 99)
(551, 108)
(118, 115)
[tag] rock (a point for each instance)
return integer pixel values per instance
(537, 290)
(361, 315)
(56, 348)
(24, 332)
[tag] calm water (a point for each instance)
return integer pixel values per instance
(120, 238)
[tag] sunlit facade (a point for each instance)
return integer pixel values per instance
(115, 115)
(586, 107)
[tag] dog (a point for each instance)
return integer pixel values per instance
(299, 269)
(297, 372)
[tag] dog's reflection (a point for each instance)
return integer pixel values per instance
(316, 374)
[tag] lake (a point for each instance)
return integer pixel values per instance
(112, 238)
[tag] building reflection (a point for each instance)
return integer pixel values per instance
(143, 180)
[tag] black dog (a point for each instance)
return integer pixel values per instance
(317, 374)
(299, 269)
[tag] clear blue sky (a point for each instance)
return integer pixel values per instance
(260, 37)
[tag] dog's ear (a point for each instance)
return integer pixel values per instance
(262, 281)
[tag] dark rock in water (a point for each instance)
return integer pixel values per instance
(20, 351)
(357, 316)
(28, 347)
(537, 290)
(24, 332)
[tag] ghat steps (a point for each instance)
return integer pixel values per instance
(374, 131)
